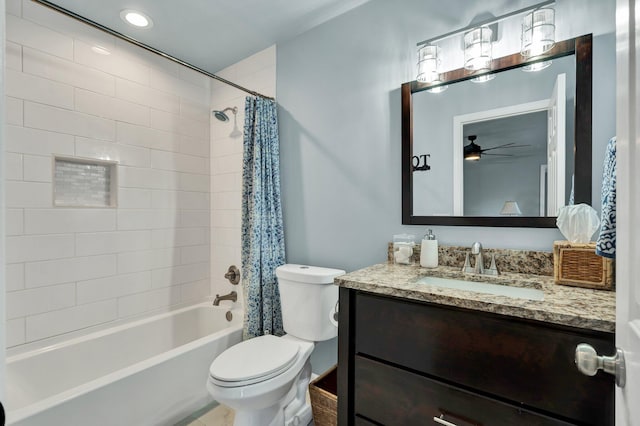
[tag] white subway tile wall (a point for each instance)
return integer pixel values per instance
(257, 72)
(71, 268)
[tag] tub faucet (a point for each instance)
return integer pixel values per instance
(233, 296)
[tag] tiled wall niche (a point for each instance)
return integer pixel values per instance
(84, 183)
(74, 268)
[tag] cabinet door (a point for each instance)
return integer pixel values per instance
(529, 363)
(392, 396)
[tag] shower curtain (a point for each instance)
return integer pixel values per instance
(262, 228)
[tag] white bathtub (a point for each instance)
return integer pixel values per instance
(148, 372)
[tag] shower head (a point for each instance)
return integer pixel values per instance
(220, 115)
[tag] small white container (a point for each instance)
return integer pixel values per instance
(429, 251)
(403, 248)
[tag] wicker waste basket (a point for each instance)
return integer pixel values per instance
(324, 399)
(578, 265)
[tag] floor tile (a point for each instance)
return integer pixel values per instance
(219, 416)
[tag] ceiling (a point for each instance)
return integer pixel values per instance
(213, 34)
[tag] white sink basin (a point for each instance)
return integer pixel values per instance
(478, 287)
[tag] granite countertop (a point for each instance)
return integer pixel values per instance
(571, 306)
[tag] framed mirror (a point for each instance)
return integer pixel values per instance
(509, 152)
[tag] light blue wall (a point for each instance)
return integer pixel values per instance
(338, 91)
(339, 98)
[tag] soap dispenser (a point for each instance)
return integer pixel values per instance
(429, 251)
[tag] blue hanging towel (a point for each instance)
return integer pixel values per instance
(606, 244)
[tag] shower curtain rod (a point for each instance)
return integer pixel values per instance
(146, 47)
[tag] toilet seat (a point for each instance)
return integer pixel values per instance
(253, 361)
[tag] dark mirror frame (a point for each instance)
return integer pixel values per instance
(582, 48)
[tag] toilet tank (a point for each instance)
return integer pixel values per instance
(308, 297)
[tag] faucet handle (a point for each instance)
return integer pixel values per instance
(467, 265)
(493, 269)
(233, 274)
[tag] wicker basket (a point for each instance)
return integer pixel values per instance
(324, 400)
(578, 265)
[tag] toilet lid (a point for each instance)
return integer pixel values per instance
(253, 359)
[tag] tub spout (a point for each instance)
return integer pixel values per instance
(233, 296)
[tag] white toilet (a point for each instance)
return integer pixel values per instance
(265, 379)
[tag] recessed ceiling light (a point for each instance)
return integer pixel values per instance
(136, 18)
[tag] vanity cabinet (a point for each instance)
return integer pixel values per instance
(405, 362)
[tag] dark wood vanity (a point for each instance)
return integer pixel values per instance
(411, 362)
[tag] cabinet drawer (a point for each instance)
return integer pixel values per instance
(393, 396)
(528, 363)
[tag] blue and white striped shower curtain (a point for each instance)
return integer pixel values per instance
(262, 227)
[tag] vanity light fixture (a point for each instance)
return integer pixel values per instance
(538, 32)
(136, 18)
(537, 38)
(537, 66)
(438, 89)
(428, 63)
(477, 49)
(428, 67)
(483, 78)
(511, 208)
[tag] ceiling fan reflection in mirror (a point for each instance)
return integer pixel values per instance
(473, 151)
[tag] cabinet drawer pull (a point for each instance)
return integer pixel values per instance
(442, 421)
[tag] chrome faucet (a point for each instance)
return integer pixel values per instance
(476, 250)
(233, 296)
(478, 268)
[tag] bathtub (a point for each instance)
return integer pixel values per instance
(148, 372)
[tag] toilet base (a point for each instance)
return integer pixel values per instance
(292, 410)
(260, 417)
(302, 418)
